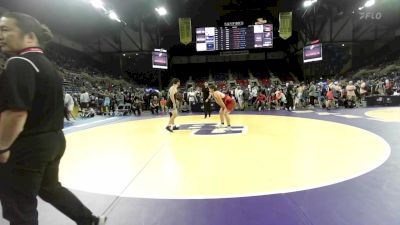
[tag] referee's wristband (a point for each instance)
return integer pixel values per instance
(4, 151)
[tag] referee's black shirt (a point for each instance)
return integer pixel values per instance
(31, 83)
(206, 93)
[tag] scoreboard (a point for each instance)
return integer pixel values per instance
(234, 38)
(312, 53)
(160, 59)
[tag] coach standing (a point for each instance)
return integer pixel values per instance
(31, 121)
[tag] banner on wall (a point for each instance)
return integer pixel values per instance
(185, 30)
(285, 25)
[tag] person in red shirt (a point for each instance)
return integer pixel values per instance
(330, 97)
(226, 103)
(163, 104)
(260, 101)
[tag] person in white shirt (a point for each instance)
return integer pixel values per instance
(350, 89)
(363, 90)
(240, 98)
(192, 98)
(84, 100)
(254, 93)
(237, 92)
(68, 106)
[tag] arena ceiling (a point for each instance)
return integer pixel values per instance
(78, 21)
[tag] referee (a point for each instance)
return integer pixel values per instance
(206, 100)
(31, 120)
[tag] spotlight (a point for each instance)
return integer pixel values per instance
(114, 16)
(161, 11)
(369, 3)
(98, 4)
(309, 3)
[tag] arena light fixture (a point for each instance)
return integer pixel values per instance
(369, 3)
(309, 3)
(114, 16)
(161, 11)
(98, 4)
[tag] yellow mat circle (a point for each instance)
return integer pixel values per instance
(387, 115)
(270, 154)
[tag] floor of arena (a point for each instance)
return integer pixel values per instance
(311, 167)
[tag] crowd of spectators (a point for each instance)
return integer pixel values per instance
(96, 93)
(340, 91)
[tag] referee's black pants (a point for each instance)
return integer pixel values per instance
(32, 171)
(207, 108)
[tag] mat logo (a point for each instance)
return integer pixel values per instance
(212, 129)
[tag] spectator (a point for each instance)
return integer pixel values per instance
(184, 106)
(246, 98)
(260, 101)
(68, 106)
(254, 94)
(107, 102)
(289, 96)
(350, 92)
(154, 105)
(137, 107)
(330, 98)
(163, 105)
(240, 98)
(192, 98)
(312, 94)
(299, 96)
(84, 99)
(388, 87)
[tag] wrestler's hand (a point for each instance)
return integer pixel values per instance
(226, 110)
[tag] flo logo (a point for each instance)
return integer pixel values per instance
(212, 129)
(370, 15)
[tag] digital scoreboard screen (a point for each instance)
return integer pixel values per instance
(312, 53)
(234, 38)
(160, 59)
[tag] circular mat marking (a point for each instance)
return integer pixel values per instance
(273, 154)
(388, 114)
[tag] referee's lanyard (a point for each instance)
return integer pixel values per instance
(28, 50)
